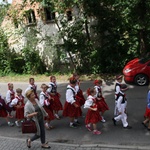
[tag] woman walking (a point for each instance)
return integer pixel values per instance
(34, 110)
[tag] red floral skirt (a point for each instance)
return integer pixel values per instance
(102, 105)
(20, 112)
(56, 105)
(49, 110)
(92, 117)
(80, 97)
(3, 113)
(71, 111)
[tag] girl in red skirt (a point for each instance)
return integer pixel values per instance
(100, 101)
(46, 102)
(10, 95)
(92, 116)
(79, 95)
(52, 90)
(18, 104)
(147, 111)
(72, 107)
(3, 112)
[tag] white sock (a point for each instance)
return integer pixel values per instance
(89, 125)
(71, 123)
(46, 124)
(75, 120)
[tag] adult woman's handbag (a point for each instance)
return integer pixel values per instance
(28, 126)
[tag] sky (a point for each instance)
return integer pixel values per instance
(9, 1)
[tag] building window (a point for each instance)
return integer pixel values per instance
(69, 15)
(15, 21)
(30, 17)
(49, 15)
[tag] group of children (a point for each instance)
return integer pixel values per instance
(75, 101)
(15, 101)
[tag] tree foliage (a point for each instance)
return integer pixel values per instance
(104, 35)
(121, 32)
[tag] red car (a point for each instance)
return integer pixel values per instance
(137, 71)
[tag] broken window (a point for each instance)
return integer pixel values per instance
(30, 17)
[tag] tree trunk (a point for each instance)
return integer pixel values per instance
(142, 31)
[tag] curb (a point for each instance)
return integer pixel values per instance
(92, 146)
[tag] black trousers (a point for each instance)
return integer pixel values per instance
(42, 133)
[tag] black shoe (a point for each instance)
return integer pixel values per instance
(114, 121)
(73, 125)
(148, 129)
(77, 123)
(144, 124)
(127, 127)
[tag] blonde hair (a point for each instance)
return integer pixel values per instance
(28, 93)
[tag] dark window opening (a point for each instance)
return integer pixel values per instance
(15, 23)
(30, 16)
(69, 15)
(49, 15)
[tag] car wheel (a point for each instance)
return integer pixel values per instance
(141, 80)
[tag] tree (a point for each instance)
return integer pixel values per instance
(103, 34)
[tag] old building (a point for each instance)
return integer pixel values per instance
(34, 25)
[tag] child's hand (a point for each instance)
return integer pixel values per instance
(99, 98)
(119, 113)
(35, 113)
(17, 106)
(76, 105)
(94, 109)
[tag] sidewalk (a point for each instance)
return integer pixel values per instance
(20, 144)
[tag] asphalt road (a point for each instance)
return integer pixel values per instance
(111, 135)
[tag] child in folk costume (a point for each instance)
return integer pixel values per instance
(46, 102)
(3, 112)
(72, 107)
(79, 94)
(117, 90)
(147, 111)
(32, 86)
(52, 90)
(92, 116)
(18, 104)
(121, 107)
(10, 95)
(100, 101)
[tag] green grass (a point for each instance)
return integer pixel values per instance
(45, 78)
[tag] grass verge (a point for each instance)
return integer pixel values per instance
(45, 78)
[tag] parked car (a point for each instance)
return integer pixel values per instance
(137, 71)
